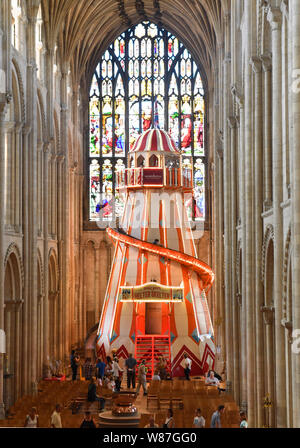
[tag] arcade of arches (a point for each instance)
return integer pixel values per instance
(55, 261)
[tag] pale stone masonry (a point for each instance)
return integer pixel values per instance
(55, 263)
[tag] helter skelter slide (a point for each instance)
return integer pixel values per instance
(156, 298)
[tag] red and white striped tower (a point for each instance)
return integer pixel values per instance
(155, 303)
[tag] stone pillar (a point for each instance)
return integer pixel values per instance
(46, 156)
(248, 229)
(65, 211)
(232, 122)
(3, 108)
(295, 24)
(258, 231)
(9, 361)
(275, 19)
(63, 323)
(239, 98)
(227, 205)
(18, 348)
(31, 114)
(268, 316)
(26, 260)
(268, 193)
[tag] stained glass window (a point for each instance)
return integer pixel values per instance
(145, 78)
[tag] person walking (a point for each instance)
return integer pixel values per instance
(130, 365)
(142, 379)
(56, 417)
(216, 417)
(187, 366)
(32, 419)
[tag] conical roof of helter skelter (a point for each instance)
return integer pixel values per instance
(155, 140)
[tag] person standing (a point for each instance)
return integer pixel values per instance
(100, 366)
(32, 419)
(117, 372)
(56, 417)
(75, 359)
(170, 422)
(87, 422)
(156, 376)
(161, 367)
(92, 394)
(243, 419)
(187, 366)
(152, 423)
(109, 367)
(130, 364)
(142, 379)
(199, 421)
(88, 369)
(216, 417)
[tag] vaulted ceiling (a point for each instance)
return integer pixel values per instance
(84, 28)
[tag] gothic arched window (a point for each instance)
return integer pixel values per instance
(145, 78)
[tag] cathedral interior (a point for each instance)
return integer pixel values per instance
(80, 80)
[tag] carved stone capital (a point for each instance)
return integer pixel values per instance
(26, 130)
(239, 98)
(232, 122)
(220, 153)
(266, 62)
(268, 314)
(274, 17)
(256, 64)
(289, 327)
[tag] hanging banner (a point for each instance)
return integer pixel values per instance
(150, 292)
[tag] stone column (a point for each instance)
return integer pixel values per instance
(46, 156)
(65, 213)
(295, 24)
(268, 193)
(62, 317)
(227, 205)
(31, 114)
(258, 231)
(26, 260)
(248, 229)
(268, 316)
(275, 19)
(232, 123)
(18, 348)
(3, 108)
(239, 98)
(9, 360)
